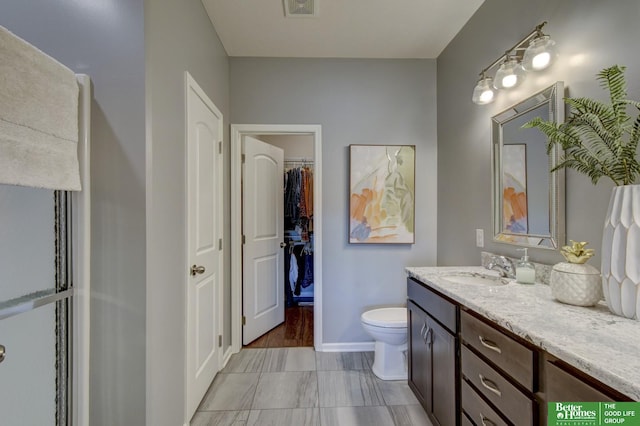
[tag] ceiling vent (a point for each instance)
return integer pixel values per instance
(300, 8)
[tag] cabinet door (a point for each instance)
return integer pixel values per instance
(419, 356)
(443, 357)
(432, 361)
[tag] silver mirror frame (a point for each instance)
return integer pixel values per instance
(553, 96)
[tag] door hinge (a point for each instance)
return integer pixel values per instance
(220, 244)
(244, 240)
(243, 158)
(219, 340)
(220, 147)
(244, 320)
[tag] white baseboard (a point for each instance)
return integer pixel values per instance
(226, 356)
(347, 347)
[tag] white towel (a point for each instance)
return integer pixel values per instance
(38, 118)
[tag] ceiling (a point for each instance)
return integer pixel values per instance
(342, 29)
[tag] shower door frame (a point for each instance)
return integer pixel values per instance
(71, 292)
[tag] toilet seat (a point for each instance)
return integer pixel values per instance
(386, 317)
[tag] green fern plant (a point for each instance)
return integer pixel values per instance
(599, 139)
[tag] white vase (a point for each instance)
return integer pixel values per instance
(576, 284)
(621, 252)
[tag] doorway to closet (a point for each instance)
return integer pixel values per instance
(295, 215)
(298, 259)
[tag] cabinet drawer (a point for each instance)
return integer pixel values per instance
(563, 386)
(511, 356)
(514, 404)
(465, 421)
(477, 409)
(438, 307)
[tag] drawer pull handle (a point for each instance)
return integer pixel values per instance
(485, 421)
(428, 336)
(490, 385)
(489, 344)
(425, 332)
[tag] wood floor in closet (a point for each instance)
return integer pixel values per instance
(295, 331)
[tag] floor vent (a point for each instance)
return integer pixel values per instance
(300, 8)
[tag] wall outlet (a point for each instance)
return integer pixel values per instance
(479, 238)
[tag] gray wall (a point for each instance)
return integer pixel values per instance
(106, 41)
(296, 147)
(356, 102)
(590, 35)
(178, 37)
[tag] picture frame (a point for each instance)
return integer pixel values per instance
(382, 194)
(514, 193)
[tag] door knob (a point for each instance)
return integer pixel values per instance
(2, 353)
(283, 245)
(197, 270)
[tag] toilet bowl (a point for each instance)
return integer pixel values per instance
(388, 327)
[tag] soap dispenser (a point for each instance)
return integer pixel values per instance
(525, 271)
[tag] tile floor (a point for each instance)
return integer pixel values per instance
(299, 387)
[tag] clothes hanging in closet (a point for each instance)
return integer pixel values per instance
(298, 201)
(307, 277)
(298, 215)
(299, 267)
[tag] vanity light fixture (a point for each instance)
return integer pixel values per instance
(510, 74)
(484, 91)
(514, 64)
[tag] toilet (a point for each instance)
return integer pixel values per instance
(388, 327)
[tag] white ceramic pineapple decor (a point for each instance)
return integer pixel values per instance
(574, 282)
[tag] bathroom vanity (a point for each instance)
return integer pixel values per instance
(482, 354)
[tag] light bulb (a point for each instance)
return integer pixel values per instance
(541, 61)
(540, 54)
(509, 81)
(486, 96)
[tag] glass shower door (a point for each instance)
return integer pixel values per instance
(35, 298)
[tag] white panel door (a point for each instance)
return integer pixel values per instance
(204, 244)
(263, 223)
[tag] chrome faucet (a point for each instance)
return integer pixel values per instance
(503, 265)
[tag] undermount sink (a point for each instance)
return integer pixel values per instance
(474, 278)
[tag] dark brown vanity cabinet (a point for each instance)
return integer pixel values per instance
(562, 383)
(498, 375)
(467, 370)
(432, 355)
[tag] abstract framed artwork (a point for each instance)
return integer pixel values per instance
(514, 189)
(382, 194)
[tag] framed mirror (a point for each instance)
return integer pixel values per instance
(528, 200)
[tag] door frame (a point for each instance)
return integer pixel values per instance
(81, 243)
(237, 132)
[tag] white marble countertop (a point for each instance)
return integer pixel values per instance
(590, 339)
